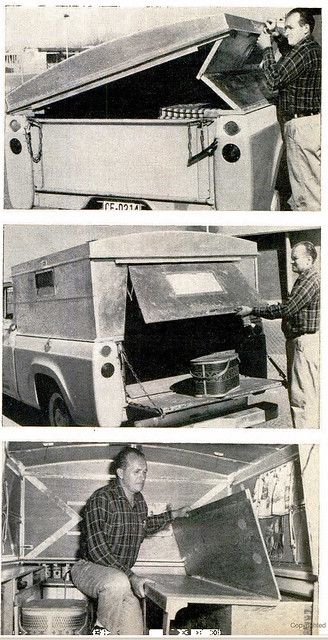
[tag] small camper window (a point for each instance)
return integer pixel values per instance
(8, 304)
(44, 282)
(193, 283)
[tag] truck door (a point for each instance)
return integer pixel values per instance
(8, 344)
(19, 163)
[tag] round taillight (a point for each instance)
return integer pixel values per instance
(107, 370)
(231, 128)
(15, 146)
(231, 152)
(15, 125)
(105, 350)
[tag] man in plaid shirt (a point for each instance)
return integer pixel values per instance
(296, 77)
(115, 523)
(300, 323)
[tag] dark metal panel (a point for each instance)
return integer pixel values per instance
(121, 57)
(233, 69)
(174, 292)
(222, 542)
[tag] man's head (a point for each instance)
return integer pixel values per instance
(131, 470)
(303, 256)
(299, 23)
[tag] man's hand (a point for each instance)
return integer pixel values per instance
(138, 585)
(264, 39)
(243, 311)
(183, 512)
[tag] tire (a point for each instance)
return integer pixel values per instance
(58, 413)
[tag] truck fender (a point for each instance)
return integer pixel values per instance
(54, 373)
(19, 164)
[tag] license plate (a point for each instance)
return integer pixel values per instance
(115, 205)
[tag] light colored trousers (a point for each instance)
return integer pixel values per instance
(303, 150)
(119, 610)
(303, 355)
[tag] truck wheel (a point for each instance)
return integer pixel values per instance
(58, 413)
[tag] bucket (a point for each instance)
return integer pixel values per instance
(216, 374)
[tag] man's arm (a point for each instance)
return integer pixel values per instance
(159, 521)
(289, 67)
(97, 529)
(300, 296)
(282, 73)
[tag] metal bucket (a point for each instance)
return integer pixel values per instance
(216, 374)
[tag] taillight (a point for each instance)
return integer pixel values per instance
(105, 350)
(15, 145)
(107, 370)
(231, 128)
(15, 125)
(231, 152)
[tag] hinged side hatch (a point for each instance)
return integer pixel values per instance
(232, 70)
(222, 543)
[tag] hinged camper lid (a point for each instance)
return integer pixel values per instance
(125, 56)
(176, 291)
(222, 542)
(232, 70)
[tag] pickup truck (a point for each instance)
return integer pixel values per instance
(103, 333)
(175, 117)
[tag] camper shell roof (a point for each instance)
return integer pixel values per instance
(148, 245)
(131, 54)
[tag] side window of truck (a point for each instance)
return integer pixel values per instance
(8, 304)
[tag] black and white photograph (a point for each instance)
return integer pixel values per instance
(208, 108)
(214, 538)
(161, 327)
(163, 436)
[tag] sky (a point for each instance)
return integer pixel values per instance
(26, 242)
(47, 25)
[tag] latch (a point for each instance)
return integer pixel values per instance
(205, 151)
(36, 157)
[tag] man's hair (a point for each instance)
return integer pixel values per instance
(306, 17)
(121, 460)
(309, 247)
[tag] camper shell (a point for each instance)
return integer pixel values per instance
(173, 117)
(115, 322)
(254, 572)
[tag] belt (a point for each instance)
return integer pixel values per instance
(298, 335)
(302, 114)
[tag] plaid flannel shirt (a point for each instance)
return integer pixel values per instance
(296, 76)
(113, 530)
(301, 312)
